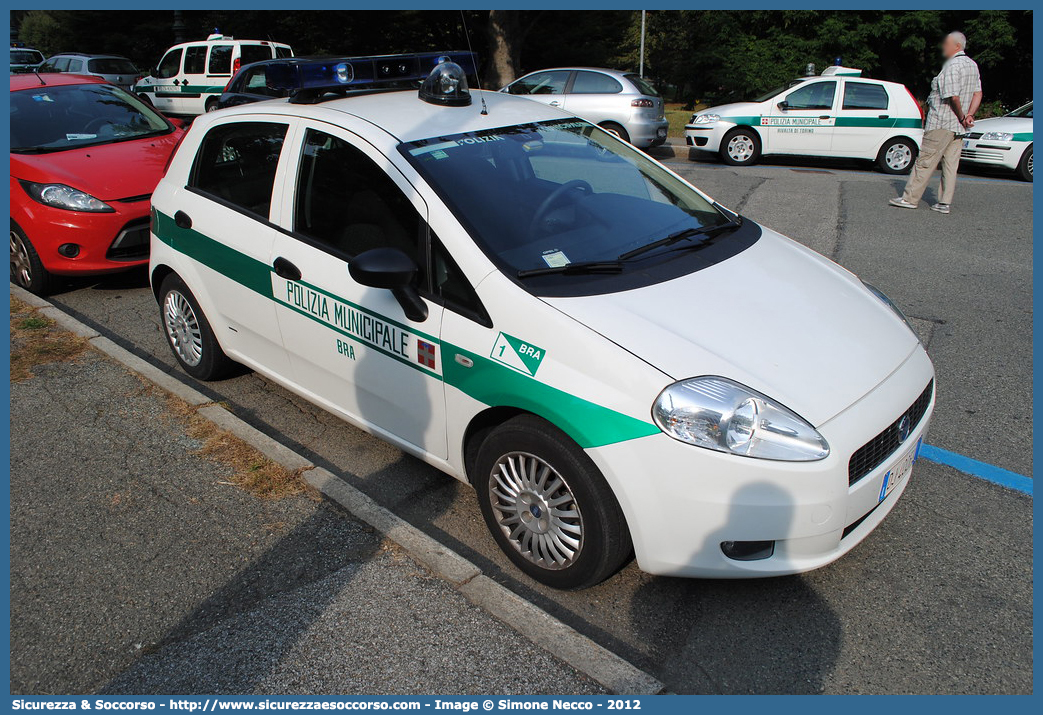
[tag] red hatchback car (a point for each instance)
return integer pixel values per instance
(85, 158)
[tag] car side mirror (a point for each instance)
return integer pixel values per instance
(390, 269)
(783, 105)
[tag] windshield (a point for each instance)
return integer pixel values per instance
(111, 65)
(46, 119)
(777, 91)
(643, 85)
(25, 57)
(1025, 112)
(552, 194)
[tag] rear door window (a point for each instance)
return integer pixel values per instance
(111, 65)
(220, 60)
(195, 59)
(595, 83)
(75, 66)
(236, 164)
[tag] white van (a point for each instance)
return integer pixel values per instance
(191, 76)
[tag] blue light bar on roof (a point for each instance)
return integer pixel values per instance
(359, 72)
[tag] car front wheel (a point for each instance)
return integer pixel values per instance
(188, 332)
(741, 147)
(1025, 165)
(897, 156)
(26, 267)
(548, 507)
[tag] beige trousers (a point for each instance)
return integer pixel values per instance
(939, 145)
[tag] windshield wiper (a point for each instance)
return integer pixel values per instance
(574, 268)
(680, 236)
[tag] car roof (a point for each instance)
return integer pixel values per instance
(32, 80)
(88, 55)
(603, 70)
(405, 116)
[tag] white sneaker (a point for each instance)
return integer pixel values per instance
(940, 208)
(902, 203)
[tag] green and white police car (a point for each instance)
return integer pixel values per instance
(836, 114)
(1002, 141)
(617, 363)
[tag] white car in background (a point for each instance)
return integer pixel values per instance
(838, 114)
(1002, 141)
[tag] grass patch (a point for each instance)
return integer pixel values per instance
(251, 470)
(35, 340)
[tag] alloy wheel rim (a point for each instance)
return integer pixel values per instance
(183, 328)
(898, 156)
(21, 267)
(1028, 164)
(536, 510)
(740, 148)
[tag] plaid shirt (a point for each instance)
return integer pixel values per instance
(959, 78)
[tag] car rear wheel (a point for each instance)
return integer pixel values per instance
(741, 147)
(1025, 165)
(616, 130)
(188, 332)
(26, 267)
(548, 507)
(897, 156)
(211, 104)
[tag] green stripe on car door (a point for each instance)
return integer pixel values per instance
(589, 424)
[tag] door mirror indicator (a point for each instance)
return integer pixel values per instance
(390, 269)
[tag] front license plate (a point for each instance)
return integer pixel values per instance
(898, 473)
(661, 132)
(966, 143)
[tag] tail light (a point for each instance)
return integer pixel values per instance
(236, 65)
(918, 105)
(642, 103)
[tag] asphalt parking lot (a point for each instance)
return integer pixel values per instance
(936, 600)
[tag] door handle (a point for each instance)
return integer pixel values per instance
(182, 220)
(285, 269)
(823, 116)
(884, 116)
(555, 103)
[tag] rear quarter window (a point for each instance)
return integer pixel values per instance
(863, 95)
(236, 164)
(254, 53)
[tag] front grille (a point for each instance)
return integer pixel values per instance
(135, 199)
(874, 452)
(131, 244)
(981, 155)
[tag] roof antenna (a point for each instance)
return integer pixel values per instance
(36, 71)
(477, 73)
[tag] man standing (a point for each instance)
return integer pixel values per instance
(955, 96)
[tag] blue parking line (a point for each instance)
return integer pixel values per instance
(982, 470)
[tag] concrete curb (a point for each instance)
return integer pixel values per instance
(541, 628)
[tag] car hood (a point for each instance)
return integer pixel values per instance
(735, 109)
(777, 317)
(1014, 125)
(108, 172)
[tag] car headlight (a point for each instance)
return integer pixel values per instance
(705, 118)
(997, 137)
(65, 197)
(719, 414)
(891, 304)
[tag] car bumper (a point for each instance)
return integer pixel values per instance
(683, 502)
(702, 137)
(1005, 154)
(645, 133)
(107, 242)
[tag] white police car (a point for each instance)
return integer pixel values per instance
(617, 363)
(1002, 141)
(837, 114)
